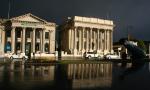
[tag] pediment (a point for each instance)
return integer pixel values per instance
(29, 18)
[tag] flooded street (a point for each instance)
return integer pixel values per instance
(75, 76)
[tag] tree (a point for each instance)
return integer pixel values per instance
(141, 44)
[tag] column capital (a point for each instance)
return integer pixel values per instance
(33, 28)
(43, 28)
(91, 28)
(75, 29)
(13, 27)
(83, 28)
(102, 30)
(23, 28)
(50, 31)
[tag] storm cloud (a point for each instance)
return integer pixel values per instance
(128, 15)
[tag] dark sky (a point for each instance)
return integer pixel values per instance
(131, 16)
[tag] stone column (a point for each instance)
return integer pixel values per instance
(111, 41)
(102, 40)
(94, 40)
(50, 41)
(87, 40)
(3, 40)
(43, 50)
(69, 37)
(80, 41)
(90, 39)
(98, 42)
(72, 40)
(83, 32)
(33, 41)
(23, 40)
(105, 40)
(75, 41)
(108, 39)
(41, 44)
(13, 40)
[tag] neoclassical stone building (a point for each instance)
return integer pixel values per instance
(83, 34)
(1, 27)
(27, 33)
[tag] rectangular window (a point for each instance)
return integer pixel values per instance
(28, 34)
(18, 32)
(8, 33)
(38, 34)
(46, 35)
(77, 33)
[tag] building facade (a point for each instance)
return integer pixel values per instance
(1, 27)
(27, 33)
(84, 34)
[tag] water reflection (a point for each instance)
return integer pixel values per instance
(30, 72)
(137, 64)
(90, 75)
(65, 76)
(101, 75)
(132, 76)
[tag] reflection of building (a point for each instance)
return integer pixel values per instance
(27, 32)
(82, 34)
(90, 75)
(32, 72)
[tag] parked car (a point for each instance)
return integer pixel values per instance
(111, 56)
(90, 55)
(17, 56)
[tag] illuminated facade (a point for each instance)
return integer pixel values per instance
(27, 33)
(84, 34)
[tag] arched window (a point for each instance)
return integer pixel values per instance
(7, 47)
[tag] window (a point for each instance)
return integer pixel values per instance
(28, 34)
(46, 47)
(18, 46)
(37, 46)
(8, 33)
(78, 45)
(46, 35)
(77, 33)
(37, 34)
(18, 33)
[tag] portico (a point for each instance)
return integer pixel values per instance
(28, 33)
(83, 34)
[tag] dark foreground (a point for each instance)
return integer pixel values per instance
(97, 75)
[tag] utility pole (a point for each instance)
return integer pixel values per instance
(9, 7)
(128, 35)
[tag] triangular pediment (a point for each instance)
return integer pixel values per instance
(29, 18)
